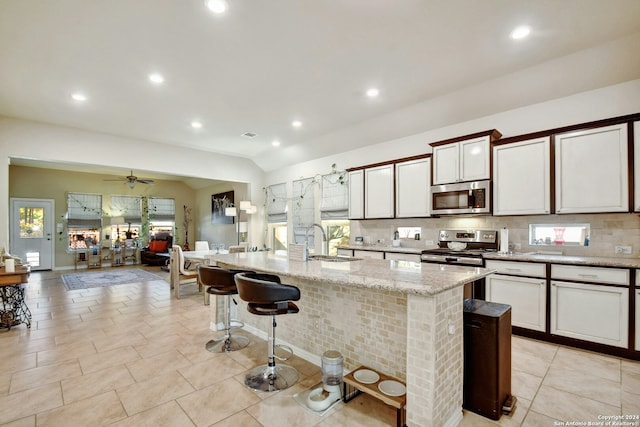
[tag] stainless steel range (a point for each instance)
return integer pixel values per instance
(464, 247)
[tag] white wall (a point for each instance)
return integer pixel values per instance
(26, 139)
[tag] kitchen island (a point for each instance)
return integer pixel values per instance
(401, 318)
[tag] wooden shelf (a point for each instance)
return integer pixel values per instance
(398, 402)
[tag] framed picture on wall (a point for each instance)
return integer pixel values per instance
(219, 202)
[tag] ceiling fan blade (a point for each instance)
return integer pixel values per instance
(145, 181)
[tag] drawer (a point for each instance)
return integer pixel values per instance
(397, 256)
(368, 254)
(614, 276)
(345, 252)
(531, 269)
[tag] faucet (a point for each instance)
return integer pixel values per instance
(324, 237)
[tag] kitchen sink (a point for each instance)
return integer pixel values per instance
(333, 258)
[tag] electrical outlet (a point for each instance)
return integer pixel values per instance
(517, 246)
(624, 250)
(428, 242)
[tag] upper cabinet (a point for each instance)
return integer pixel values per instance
(592, 170)
(463, 159)
(356, 194)
(522, 177)
(412, 188)
(379, 193)
(636, 156)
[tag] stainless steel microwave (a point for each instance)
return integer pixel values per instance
(462, 198)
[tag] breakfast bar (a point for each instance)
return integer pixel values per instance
(403, 319)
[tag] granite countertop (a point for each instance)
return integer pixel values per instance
(398, 276)
(566, 259)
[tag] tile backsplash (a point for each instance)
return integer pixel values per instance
(607, 231)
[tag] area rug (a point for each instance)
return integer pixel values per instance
(74, 281)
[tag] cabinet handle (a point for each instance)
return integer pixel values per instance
(590, 276)
(512, 269)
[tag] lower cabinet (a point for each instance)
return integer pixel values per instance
(345, 252)
(526, 296)
(637, 319)
(596, 313)
(368, 254)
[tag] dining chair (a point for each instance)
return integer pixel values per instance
(202, 245)
(182, 275)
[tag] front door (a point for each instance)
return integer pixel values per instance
(31, 232)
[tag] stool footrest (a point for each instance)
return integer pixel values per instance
(285, 348)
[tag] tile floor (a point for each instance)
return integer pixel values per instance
(131, 355)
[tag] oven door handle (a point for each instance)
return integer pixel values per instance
(451, 259)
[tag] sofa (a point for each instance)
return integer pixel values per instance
(157, 253)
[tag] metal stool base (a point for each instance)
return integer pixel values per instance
(271, 378)
(227, 344)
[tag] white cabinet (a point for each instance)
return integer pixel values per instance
(596, 313)
(368, 254)
(356, 194)
(527, 296)
(522, 177)
(396, 256)
(592, 170)
(379, 195)
(636, 156)
(413, 180)
(461, 161)
(637, 319)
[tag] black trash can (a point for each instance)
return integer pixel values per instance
(487, 358)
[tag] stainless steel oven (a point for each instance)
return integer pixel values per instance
(466, 248)
(463, 198)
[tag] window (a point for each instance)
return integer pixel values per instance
(126, 220)
(559, 234)
(162, 216)
(278, 233)
(303, 211)
(84, 220)
(31, 223)
(337, 234)
(334, 203)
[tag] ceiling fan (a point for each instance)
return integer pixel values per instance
(131, 180)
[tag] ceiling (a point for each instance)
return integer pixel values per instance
(263, 64)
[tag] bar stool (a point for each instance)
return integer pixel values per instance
(219, 281)
(266, 296)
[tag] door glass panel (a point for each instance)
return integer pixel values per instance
(32, 223)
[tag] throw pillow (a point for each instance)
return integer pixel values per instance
(157, 245)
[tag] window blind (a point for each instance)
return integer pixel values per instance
(129, 207)
(334, 202)
(303, 212)
(84, 210)
(161, 209)
(277, 203)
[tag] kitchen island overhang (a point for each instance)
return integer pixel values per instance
(402, 318)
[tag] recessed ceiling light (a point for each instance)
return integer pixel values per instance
(80, 97)
(296, 123)
(520, 32)
(275, 143)
(216, 6)
(156, 78)
(196, 124)
(373, 92)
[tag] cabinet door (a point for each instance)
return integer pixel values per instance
(379, 194)
(445, 164)
(412, 188)
(526, 296)
(592, 170)
(637, 319)
(345, 252)
(522, 178)
(474, 159)
(368, 254)
(356, 194)
(594, 313)
(636, 174)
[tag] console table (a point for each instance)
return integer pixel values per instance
(13, 309)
